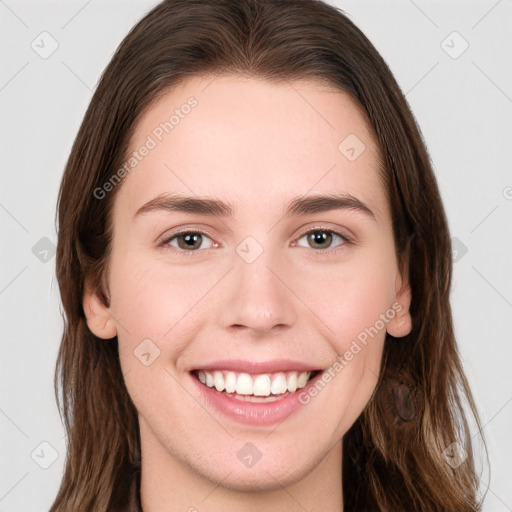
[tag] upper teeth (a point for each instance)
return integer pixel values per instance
(259, 385)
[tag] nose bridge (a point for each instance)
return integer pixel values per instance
(257, 296)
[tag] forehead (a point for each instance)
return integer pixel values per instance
(252, 143)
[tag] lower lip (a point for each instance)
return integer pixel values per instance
(253, 413)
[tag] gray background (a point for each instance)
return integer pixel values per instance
(462, 101)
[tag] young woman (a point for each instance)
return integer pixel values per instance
(255, 267)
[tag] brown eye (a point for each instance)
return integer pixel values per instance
(322, 239)
(188, 240)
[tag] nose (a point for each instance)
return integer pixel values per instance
(257, 297)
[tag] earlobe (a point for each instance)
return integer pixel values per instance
(99, 319)
(401, 324)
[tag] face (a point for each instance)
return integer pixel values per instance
(251, 319)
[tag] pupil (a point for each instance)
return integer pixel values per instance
(191, 239)
(319, 237)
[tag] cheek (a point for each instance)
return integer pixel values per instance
(158, 311)
(348, 298)
(136, 301)
(148, 298)
(351, 307)
(149, 305)
(357, 317)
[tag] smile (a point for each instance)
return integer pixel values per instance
(244, 385)
(263, 394)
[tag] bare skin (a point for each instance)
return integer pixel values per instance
(256, 146)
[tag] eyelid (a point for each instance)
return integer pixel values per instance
(166, 238)
(346, 239)
(343, 233)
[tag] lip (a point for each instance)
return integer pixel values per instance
(251, 413)
(242, 365)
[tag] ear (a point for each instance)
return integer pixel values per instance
(401, 324)
(99, 320)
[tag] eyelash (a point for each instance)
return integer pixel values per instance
(187, 254)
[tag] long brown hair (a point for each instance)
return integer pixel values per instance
(392, 455)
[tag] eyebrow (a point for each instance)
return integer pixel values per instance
(298, 206)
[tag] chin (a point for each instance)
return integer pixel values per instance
(254, 480)
(272, 472)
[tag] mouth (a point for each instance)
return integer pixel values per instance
(256, 393)
(255, 387)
